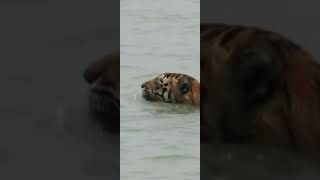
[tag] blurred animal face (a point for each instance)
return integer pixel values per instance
(240, 71)
(104, 98)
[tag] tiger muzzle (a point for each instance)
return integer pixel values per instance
(105, 105)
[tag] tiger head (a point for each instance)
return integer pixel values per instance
(258, 87)
(172, 88)
(103, 76)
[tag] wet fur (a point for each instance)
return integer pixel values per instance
(172, 88)
(258, 87)
(103, 76)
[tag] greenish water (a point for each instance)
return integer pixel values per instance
(158, 140)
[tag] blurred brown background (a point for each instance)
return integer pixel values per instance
(298, 20)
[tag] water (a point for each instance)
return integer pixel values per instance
(158, 140)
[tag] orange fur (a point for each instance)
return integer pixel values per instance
(173, 88)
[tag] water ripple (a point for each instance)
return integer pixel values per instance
(157, 138)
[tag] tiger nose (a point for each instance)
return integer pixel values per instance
(143, 85)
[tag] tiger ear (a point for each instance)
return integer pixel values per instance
(184, 86)
(255, 72)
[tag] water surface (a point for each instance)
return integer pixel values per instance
(158, 140)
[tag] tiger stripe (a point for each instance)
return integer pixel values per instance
(223, 34)
(167, 87)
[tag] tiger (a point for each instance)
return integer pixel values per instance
(258, 87)
(103, 76)
(172, 88)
